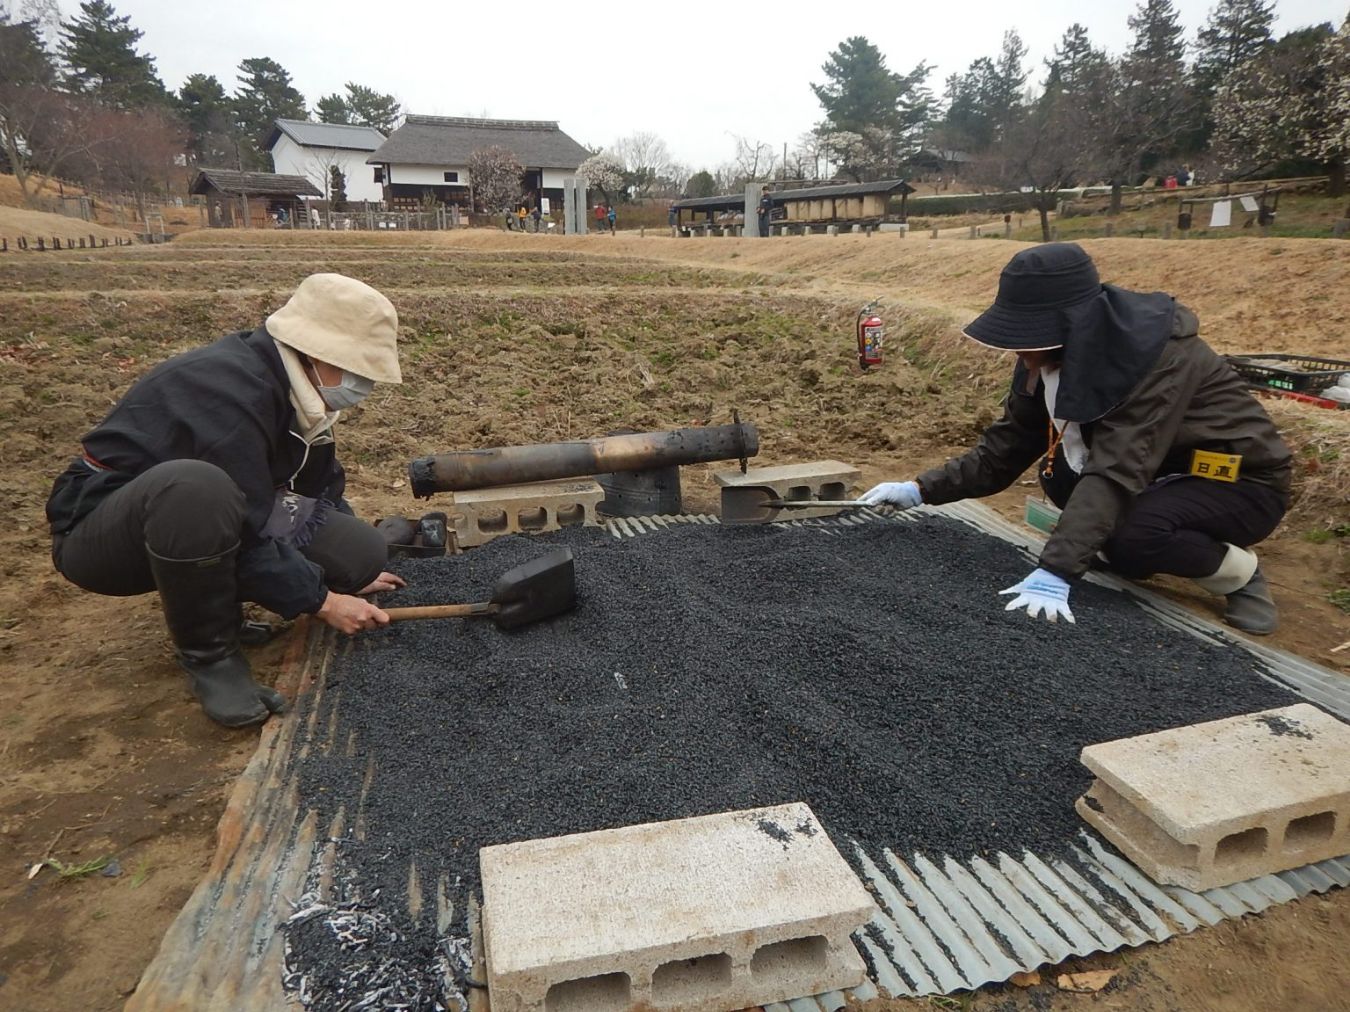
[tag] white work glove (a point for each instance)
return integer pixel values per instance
(900, 494)
(1041, 591)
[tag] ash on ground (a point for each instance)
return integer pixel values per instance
(869, 671)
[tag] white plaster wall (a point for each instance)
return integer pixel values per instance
(291, 159)
(426, 175)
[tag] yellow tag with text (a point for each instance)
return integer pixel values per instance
(1218, 466)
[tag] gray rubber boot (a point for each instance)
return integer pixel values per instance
(200, 610)
(1252, 609)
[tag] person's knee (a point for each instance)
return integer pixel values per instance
(1137, 551)
(193, 509)
(352, 553)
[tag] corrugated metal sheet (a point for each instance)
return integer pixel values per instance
(945, 925)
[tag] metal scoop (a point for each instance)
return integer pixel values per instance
(539, 589)
(760, 504)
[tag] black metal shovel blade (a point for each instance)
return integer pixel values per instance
(536, 590)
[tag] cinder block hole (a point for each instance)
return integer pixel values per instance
(1309, 831)
(797, 492)
(535, 519)
(570, 516)
(796, 955)
(691, 980)
(833, 490)
(609, 992)
(492, 522)
(1242, 846)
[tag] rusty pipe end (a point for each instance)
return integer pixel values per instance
(422, 477)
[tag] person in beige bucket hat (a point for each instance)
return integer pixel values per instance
(215, 481)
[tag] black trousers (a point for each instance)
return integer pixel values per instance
(1180, 526)
(189, 509)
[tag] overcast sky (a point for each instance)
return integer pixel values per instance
(697, 73)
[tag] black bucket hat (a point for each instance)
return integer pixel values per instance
(1035, 291)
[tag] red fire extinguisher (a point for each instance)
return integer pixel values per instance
(871, 333)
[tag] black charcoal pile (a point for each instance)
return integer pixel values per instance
(872, 673)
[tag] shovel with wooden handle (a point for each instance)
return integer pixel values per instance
(539, 589)
(760, 504)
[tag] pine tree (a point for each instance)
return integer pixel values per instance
(968, 123)
(1009, 81)
(332, 109)
(1236, 31)
(371, 108)
(265, 95)
(1154, 104)
(1075, 62)
(863, 96)
(99, 51)
(208, 115)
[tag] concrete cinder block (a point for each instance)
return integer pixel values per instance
(698, 915)
(483, 514)
(1220, 802)
(817, 479)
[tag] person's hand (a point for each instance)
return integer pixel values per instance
(385, 581)
(1041, 591)
(349, 614)
(900, 494)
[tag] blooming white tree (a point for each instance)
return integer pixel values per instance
(1331, 137)
(1289, 102)
(494, 174)
(604, 172)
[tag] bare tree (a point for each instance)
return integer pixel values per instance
(132, 152)
(1046, 150)
(645, 159)
(754, 159)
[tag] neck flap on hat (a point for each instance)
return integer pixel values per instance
(1113, 341)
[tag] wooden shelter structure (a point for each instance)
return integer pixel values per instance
(236, 199)
(845, 204)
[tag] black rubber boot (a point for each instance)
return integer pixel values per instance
(1252, 609)
(200, 610)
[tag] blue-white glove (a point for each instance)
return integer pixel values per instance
(900, 494)
(1041, 591)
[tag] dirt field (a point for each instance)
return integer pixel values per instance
(509, 338)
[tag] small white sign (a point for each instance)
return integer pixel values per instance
(1222, 214)
(543, 205)
(1249, 204)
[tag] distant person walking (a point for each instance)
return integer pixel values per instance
(673, 219)
(611, 217)
(765, 214)
(536, 214)
(521, 214)
(599, 217)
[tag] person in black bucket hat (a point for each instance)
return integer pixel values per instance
(1160, 458)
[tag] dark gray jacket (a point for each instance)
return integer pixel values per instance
(1191, 399)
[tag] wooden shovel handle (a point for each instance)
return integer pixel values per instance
(441, 611)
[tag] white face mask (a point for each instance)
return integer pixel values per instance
(347, 394)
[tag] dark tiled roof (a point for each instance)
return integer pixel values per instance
(251, 184)
(326, 135)
(450, 140)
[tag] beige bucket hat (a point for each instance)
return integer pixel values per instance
(344, 322)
